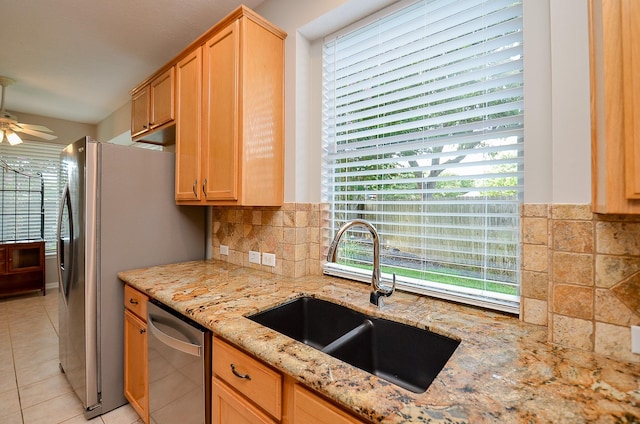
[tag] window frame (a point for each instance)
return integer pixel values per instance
(21, 158)
(473, 296)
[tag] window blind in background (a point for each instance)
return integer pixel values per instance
(423, 137)
(20, 214)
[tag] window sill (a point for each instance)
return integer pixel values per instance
(499, 302)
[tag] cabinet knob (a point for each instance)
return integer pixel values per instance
(133, 301)
(204, 187)
(195, 184)
(142, 331)
(237, 374)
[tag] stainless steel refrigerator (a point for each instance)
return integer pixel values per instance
(117, 212)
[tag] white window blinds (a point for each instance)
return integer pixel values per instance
(20, 207)
(423, 137)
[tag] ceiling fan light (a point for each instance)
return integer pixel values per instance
(13, 138)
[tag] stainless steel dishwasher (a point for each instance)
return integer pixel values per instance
(179, 368)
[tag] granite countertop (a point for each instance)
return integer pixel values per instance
(503, 371)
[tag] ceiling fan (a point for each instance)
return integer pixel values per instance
(9, 124)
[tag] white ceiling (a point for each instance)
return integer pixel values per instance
(77, 59)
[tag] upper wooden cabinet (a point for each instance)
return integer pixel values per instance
(230, 115)
(140, 111)
(615, 105)
(221, 131)
(189, 128)
(152, 104)
(631, 57)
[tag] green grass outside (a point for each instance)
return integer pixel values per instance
(441, 277)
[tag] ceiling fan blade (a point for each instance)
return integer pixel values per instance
(13, 138)
(35, 133)
(33, 127)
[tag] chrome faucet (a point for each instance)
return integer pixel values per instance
(377, 289)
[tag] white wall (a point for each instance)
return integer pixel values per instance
(570, 98)
(537, 103)
(117, 126)
(557, 139)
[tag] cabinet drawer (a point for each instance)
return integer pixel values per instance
(136, 302)
(253, 379)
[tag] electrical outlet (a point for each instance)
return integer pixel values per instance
(254, 257)
(224, 250)
(269, 259)
(635, 339)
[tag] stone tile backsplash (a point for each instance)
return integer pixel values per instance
(291, 232)
(583, 279)
(580, 271)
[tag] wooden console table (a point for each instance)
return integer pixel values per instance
(22, 267)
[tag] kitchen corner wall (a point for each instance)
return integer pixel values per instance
(581, 277)
(580, 271)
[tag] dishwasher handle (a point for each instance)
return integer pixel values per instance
(172, 342)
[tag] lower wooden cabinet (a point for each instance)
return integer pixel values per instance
(309, 408)
(247, 391)
(244, 390)
(136, 381)
(230, 407)
(250, 377)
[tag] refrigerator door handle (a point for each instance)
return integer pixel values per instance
(65, 243)
(172, 342)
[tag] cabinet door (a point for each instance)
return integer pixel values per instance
(3, 260)
(136, 387)
(25, 257)
(262, 125)
(161, 89)
(188, 128)
(631, 84)
(230, 407)
(140, 111)
(615, 115)
(311, 409)
(221, 61)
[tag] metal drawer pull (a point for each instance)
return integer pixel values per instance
(237, 374)
(172, 342)
(132, 301)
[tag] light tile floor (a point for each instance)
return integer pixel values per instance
(32, 388)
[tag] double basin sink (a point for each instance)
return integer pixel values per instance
(407, 356)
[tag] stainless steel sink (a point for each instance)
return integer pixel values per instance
(407, 356)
